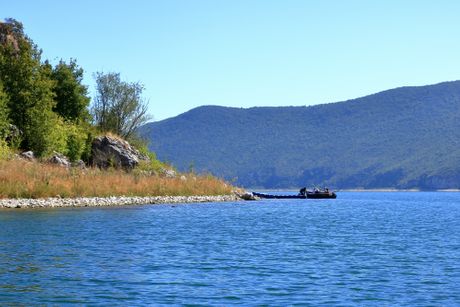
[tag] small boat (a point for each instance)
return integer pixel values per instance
(273, 196)
(319, 194)
(303, 194)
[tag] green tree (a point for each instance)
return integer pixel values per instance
(72, 99)
(29, 87)
(118, 106)
(4, 121)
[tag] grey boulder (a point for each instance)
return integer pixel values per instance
(108, 151)
(59, 159)
(27, 155)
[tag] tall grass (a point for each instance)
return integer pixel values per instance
(24, 179)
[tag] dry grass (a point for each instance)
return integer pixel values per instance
(23, 179)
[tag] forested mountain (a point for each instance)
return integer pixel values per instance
(407, 137)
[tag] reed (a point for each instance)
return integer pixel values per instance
(24, 179)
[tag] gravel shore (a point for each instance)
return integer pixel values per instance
(111, 201)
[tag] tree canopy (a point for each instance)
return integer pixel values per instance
(28, 85)
(4, 116)
(72, 98)
(118, 106)
(49, 104)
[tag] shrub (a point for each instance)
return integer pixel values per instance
(76, 142)
(5, 151)
(45, 132)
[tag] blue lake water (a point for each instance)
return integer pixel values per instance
(359, 249)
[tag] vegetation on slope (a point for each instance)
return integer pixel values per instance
(48, 106)
(46, 109)
(403, 138)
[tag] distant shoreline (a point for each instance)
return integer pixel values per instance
(362, 190)
(397, 190)
(115, 201)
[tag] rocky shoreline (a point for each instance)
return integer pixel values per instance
(110, 201)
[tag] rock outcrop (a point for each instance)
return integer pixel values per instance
(27, 155)
(108, 151)
(79, 164)
(60, 160)
(8, 35)
(169, 173)
(13, 134)
(247, 196)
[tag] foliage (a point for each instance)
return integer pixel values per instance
(118, 106)
(29, 87)
(86, 153)
(43, 133)
(72, 99)
(49, 108)
(48, 105)
(402, 138)
(75, 142)
(68, 139)
(5, 151)
(153, 166)
(4, 121)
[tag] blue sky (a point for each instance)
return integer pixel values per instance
(248, 53)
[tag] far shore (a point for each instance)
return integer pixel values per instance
(362, 190)
(398, 190)
(109, 201)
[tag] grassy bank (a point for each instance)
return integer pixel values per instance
(24, 179)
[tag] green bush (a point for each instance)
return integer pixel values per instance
(154, 165)
(3, 114)
(5, 152)
(76, 142)
(44, 132)
(86, 154)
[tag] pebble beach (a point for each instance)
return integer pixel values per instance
(110, 201)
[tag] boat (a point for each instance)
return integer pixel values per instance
(319, 194)
(303, 194)
(274, 196)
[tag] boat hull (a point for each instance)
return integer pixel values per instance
(271, 196)
(321, 195)
(311, 195)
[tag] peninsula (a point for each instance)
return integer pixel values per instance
(59, 147)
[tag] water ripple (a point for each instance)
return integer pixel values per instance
(360, 249)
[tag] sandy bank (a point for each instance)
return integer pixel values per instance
(110, 201)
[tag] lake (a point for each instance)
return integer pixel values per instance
(365, 248)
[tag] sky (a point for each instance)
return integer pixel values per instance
(245, 53)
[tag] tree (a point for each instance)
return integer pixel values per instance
(4, 121)
(29, 87)
(119, 106)
(72, 99)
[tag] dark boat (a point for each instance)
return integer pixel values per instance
(319, 194)
(272, 196)
(303, 194)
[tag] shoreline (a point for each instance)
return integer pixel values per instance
(398, 190)
(361, 190)
(114, 201)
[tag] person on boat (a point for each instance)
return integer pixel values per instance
(303, 191)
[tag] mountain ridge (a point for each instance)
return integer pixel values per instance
(406, 137)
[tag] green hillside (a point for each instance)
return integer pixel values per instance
(407, 137)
